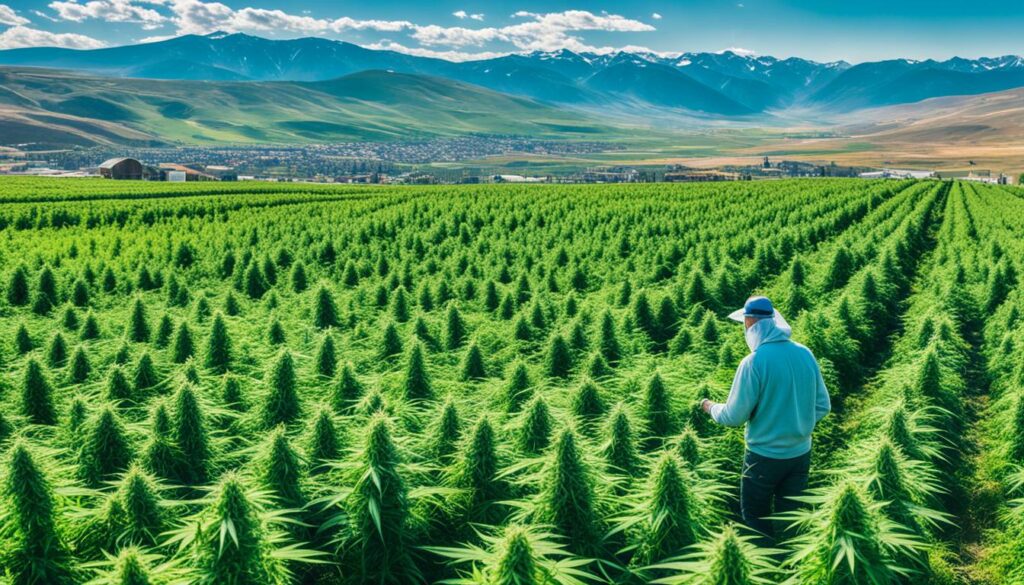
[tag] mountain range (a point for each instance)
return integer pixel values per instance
(715, 85)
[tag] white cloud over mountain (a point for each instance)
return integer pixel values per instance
(198, 17)
(108, 10)
(529, 31)
(738, 51)
(538, 32)
(458, 56)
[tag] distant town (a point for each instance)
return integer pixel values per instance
(463, 160)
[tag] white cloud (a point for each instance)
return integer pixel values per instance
(20, 37)
(109, 11)
(198, 17)
(738, 51)
(345, 23)
(550, 32)
(656, 16)
(457, 36)
(10, 17)
(648, 51)
(459, 56)
(155, 39)
(531, 32)
(45, 16)
(463, 15)
(586, 20)
(261, 19)
(540, 32)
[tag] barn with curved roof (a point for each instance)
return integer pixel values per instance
(122, 168)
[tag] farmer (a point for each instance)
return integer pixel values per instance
(779, 393)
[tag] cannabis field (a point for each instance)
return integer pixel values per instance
(278, 383)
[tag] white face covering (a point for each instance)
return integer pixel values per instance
(768, 329)
(753, 335)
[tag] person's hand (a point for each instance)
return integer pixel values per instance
(705, 405)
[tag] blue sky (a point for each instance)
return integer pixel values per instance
(855, 30)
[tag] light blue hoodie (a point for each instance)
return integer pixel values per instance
(778, 391)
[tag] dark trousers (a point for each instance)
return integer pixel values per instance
(766, 488)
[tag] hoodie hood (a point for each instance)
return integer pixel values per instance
(766, 331)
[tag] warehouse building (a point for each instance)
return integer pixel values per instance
(122, 169)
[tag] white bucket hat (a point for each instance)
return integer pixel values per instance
(761, 308)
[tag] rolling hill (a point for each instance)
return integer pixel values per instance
(71, 108)
(988, 119)
(962, 132)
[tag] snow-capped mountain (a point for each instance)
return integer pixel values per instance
(723, 84)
